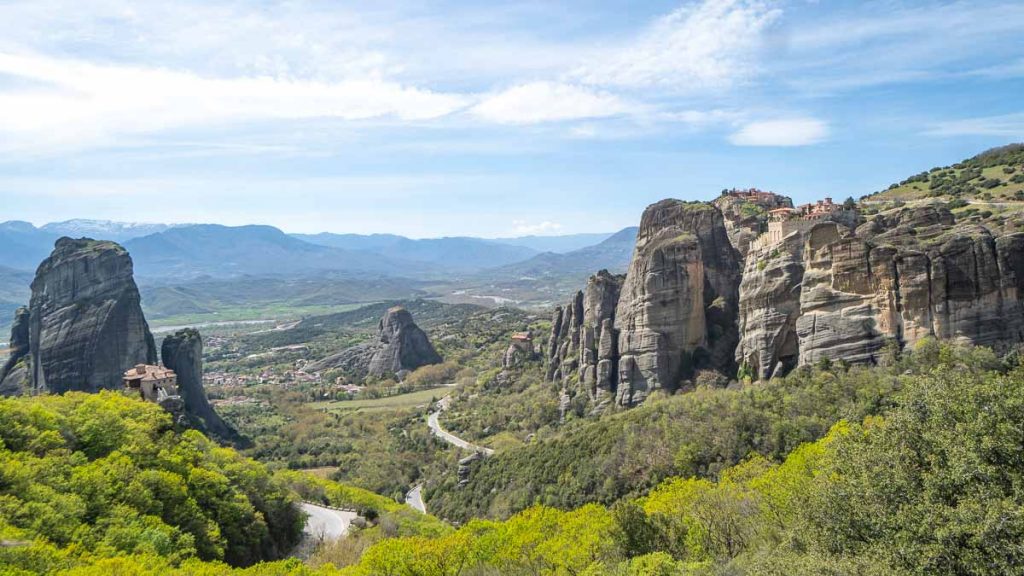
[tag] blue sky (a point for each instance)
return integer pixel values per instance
(485, 118)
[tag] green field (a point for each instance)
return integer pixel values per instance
(397, 402)
(252, 313)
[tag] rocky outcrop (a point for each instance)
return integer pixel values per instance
(15, 373)
(673, 312)
(582, 347)
(404, 345)
(400, 346)
(85, 322)
(183, 353)
(848, 295)
(836, 289)
(746, 214)
(677, 311)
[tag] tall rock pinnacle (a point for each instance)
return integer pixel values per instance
(85, 322)
(183, 353)
(404, 346)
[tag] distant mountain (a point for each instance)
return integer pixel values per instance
(14, 292)
(370, 242)
(23, 246)
(557, 244)
(104, 229)
(544, 280)
(453, 253)
(223, 251)
(613, 254)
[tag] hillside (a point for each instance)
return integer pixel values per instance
(261, 297)
(104, 484)
(543, 280)
(927, 484)
(988, 188)
(23, 246)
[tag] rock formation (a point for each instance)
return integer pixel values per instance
(746, 214)
(85, 322)
(15, 374)
(672, 313)
(830, 289)
(183, 353)
(400, 346)
(838, 295)
(519, 351)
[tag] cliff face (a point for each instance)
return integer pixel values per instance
(183, 353)
(827, 291)
(897, 280)
(672, 313)
(85, 322)
(15, 373)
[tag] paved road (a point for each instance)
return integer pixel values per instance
(435, 427)
(326, 523)
(415, 498)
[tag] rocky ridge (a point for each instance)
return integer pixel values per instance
(838, 289)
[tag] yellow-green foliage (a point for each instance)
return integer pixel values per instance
(935, 486)
(400, 519)
(107, 475)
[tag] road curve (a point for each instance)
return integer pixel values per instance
(435, 427)
(326, 523)
(415, 498)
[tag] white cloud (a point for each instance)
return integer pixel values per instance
(548, 102)
(72, 103)
(524, 228)
(1009, 125)
(781, 132)
(710, 44)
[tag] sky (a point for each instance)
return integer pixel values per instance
(440, 118)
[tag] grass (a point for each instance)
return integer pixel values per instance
(397, 402)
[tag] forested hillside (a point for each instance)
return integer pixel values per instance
(101, 484)
(931, 485)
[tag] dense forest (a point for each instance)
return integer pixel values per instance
(103, 483)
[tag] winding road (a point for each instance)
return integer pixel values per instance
(435, 427)
(326, 523)
(414, 497)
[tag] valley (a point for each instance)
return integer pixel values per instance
(676, 406)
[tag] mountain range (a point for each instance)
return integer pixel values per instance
(196, 250)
